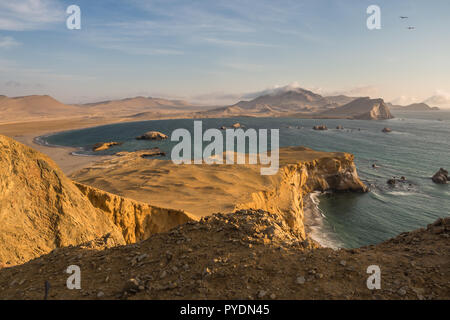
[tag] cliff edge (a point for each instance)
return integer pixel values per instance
(41, 209)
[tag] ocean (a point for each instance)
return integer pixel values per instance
(417, 147)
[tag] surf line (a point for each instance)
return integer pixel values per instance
(235, 139)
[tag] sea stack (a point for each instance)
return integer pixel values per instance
(440, 177)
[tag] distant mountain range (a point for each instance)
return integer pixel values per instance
(290, 102)
(414, 107)
(44, 107)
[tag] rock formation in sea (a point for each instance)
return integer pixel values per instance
(152, 135)
(440, 177)
(361, 109)
(320, 127)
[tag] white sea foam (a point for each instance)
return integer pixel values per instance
(315, 223)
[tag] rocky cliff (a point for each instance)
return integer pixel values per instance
(362, 109)
(137, 220)
(294, 181)
(41, 209)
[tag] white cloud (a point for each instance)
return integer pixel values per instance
(359, 91)
(8, 42)
(404, 100)
(20, 15)
(235, 43)
(439, 99)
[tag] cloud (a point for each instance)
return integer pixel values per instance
(12, 84)
(16, 84)
(359, 91)
(21, 15)
(235, 43)
(404, 100)
(232, 98)
(8, 42)
(440, 98)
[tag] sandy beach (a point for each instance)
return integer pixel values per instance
(26, 132)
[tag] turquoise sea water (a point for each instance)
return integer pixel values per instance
(418, 146)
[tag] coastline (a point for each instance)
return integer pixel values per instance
(315, 224)
(33, 134)
(30, 132)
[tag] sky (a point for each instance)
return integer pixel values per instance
(221, 51)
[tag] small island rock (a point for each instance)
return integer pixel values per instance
(152, 135)
(440, 177)
(321, 127)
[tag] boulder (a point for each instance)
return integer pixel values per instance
(321, 127)
(392, 181)
(152, 135)
(440, 177)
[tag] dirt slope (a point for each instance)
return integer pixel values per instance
(244, 255)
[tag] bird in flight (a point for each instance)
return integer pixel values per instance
(411, 28)
(403, 17)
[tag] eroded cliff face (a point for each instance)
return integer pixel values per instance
(41, 209)
(294, 181)
(137, 220)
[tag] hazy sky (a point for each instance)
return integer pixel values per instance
(216, 51)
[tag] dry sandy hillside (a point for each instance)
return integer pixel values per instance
(229, 187)
(44, 107)
(41, 209)
(34, 107)
(243, 255)
(296, 103)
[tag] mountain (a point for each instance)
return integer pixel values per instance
(139, 102)
(44, 107)
(362, 109)
(294, 100)
(297, 102)
(35, 106)
(415, 107)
